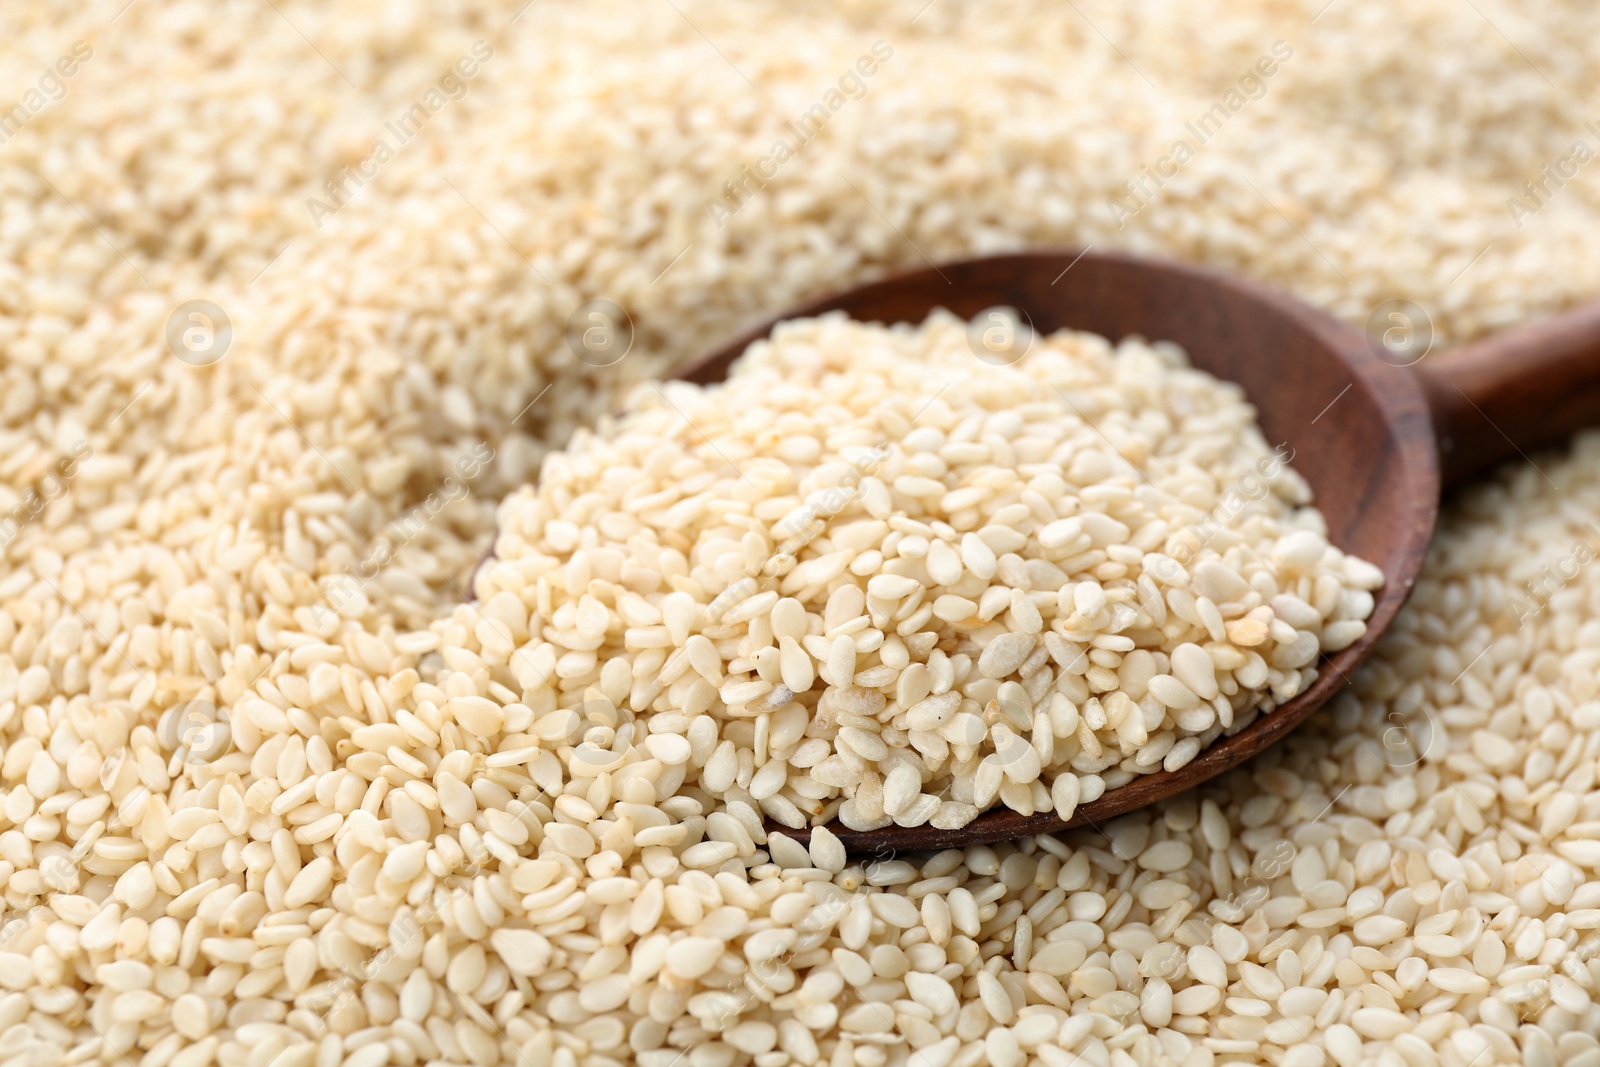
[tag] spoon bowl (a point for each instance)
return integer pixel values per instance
(1374, 430)
(1358, 427)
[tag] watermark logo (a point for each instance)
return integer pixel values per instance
(603, 734)
(59, 873)
(1531, 998)
(399, 132)
(1140, 192)
(765, 975)
(1412, 735)
(1553, 177)
(1000, 336)
(51, 487)
(802, 527)
(1400, 332)
(51, 89)
(802, 130)
(196, 731)
(13, 930)
(1552, 578)
(1185, 544)
(341, 590)
(199, 333)
(599, 333)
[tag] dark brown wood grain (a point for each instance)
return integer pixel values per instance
(1359, 429)
(1511, 393)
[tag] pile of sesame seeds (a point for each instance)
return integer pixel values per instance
(248, 812)
(873, 577)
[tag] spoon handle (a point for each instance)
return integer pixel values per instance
(1514, 392)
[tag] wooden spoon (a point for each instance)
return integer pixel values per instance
(1374, 428)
